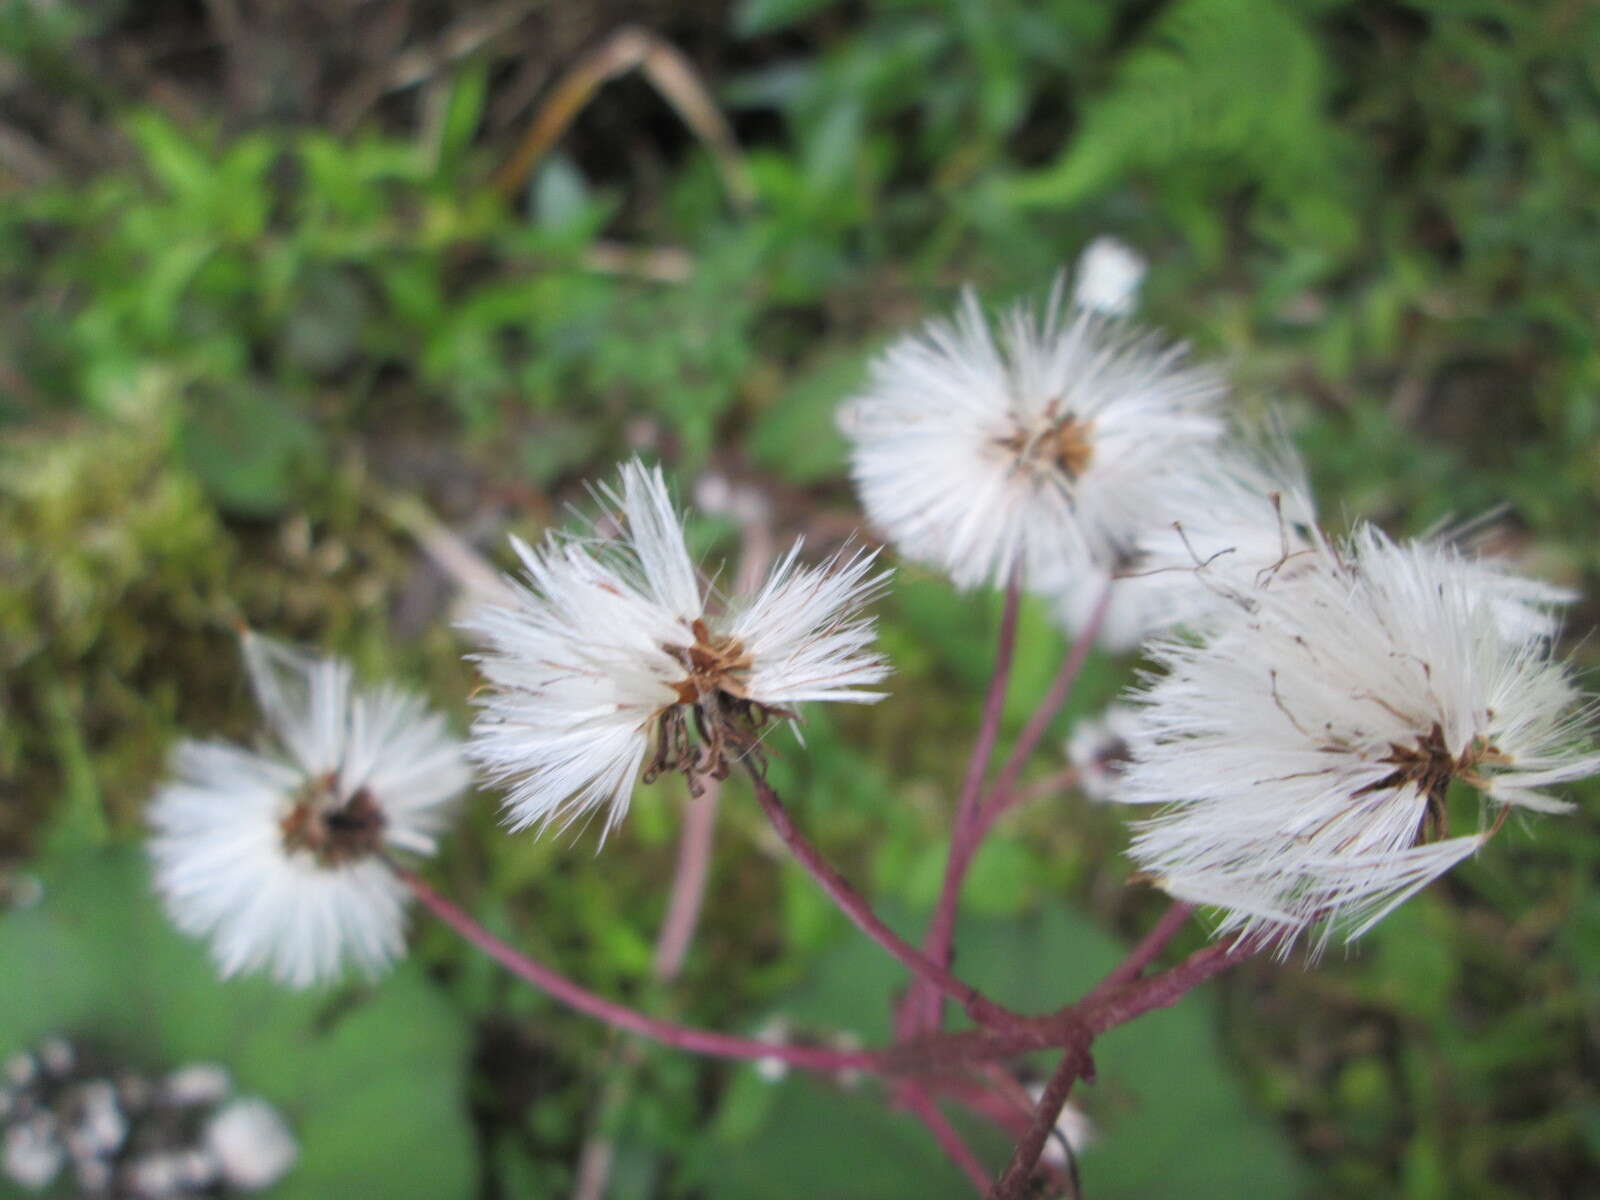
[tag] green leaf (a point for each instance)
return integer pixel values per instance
(1212, 81)
(462, 114)
(822, 1142)
(249, 448)
(798, 436)
(1171, 1114)
(182, 167)
(81, 821)
(767, 16)
(370, 1082)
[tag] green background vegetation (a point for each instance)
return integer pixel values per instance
(264, 318)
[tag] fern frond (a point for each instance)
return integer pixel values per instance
(1214, 81)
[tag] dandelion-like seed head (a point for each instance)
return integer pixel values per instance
(982, 446)
(276, 854)
(333, 829)
(1232, 520)
(1307, 750)
(617, 662)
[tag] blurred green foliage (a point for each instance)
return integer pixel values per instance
(231, 345)
(371, 1085)
(1163, 1100)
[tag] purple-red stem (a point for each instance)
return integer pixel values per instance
(1118, 1007)
(1145, 951)
(1060, 689)
(1048, 785)
(922, 1003)
(994, 706)
(1073, 1027)
(854, 906)
(1013, 1184)
(956, 1150)
(688, 880)
(968, 835)
(700, 1041)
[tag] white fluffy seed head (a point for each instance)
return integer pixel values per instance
(1305, 747)
(271, 853)
(1233, 516)
(980, 447)
(615, 652)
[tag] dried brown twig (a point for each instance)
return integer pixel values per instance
(669, 71)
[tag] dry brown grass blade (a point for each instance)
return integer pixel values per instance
(470, 571)
(421, 64)
(655, 264)
(669, 72)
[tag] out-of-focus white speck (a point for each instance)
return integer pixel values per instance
(251, 1143)
(1107, 277)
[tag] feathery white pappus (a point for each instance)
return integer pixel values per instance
(1237, 517)
(615, 662)
(978, 446)
(272, 854)
(1305, 745)
(1231, 516)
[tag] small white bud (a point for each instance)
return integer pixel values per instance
(100, 1123)
(198, 1083)
(22, 1069)
(251, 1144)
(1073, 1131)
(154, 1177)
(57, 1055)
(1098, 748)
(772, 1069)
(33, 1155)
(1109, 273)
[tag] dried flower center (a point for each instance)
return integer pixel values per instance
(713, 663)
(334, 832)
(1065, 444)
(713, 722)
(1070, 446)
(1430, 768)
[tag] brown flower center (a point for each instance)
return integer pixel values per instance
(334, 832)
(1430, 768)
(1070, 446)
(713, 722)
(713, 663)
(1066, 445)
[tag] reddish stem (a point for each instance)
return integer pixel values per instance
(688, 880)
(851, 903)
(1166, 989)
(1074, 1026)
(956, 1150)
(1060, 689)
(1145, 952)
(969, 837)
(922, 1003)
(1014, 1182)
(1048, 785)
(994, 705)
(700, 1041)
